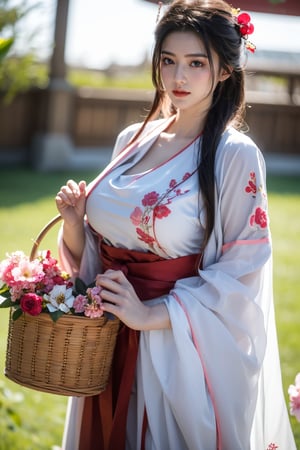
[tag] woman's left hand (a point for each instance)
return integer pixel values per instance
(119, 298)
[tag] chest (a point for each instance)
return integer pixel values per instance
(161, 151)
(157, 210)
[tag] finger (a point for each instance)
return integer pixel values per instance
(108, 296)
(65, 195)
(82, 187)
(111, 276)
(110, 308)
(60, 201)
(117, 284)
(73, 187)
(112, 286)
(117, 275)
(72, 192)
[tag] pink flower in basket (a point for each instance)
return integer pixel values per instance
(19, 272)
(38, 286)
(294, 394)
(89, 301)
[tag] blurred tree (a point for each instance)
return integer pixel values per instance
(18, 71)
(5, 44)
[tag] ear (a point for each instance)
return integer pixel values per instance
(224, 74)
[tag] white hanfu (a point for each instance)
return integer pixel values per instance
(213, 381)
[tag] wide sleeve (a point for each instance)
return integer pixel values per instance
(90, 261)
(90, 264)
(219, 318)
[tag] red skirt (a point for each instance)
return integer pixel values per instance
(104, 417)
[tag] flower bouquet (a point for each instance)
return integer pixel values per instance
(59, 340)
(40, 285)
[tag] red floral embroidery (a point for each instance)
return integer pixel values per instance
(272, 447)
(136, 216)
(186, 176)
(144, 236)
(150, 199)
(161, 211)
(251, 187)
(259, 218)
(155, 205)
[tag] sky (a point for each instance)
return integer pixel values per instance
(101, 32)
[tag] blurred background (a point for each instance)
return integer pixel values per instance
(73, 73)
(78, 71)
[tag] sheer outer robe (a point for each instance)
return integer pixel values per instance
(218, 367)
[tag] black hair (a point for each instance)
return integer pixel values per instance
(215, 25)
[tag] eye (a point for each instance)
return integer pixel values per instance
(197, 63)
(166, 60)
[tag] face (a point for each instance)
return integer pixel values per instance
(186, 73)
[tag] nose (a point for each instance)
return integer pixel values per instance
(180, 77)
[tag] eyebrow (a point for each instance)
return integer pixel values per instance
(188, 55)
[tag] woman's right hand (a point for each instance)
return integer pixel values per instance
(70, 202)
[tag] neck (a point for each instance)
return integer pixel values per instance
(187, 125)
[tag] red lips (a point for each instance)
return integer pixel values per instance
(180, 93)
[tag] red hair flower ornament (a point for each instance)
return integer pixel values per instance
(243, 20)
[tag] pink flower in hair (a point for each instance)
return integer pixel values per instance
(243, 20)
(246, 26)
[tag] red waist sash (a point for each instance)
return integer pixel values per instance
(151, 275)
(104, 416)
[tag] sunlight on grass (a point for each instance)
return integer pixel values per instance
(20, 228)
(41, 415)
(285, 220)
(23, 212)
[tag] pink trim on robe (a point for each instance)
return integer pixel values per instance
(197, 347)
(245, 242)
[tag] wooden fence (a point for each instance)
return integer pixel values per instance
(97, 116)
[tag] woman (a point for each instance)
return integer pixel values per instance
(196, 365)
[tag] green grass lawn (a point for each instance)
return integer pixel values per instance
(30, 420)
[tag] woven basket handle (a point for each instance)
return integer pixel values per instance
(42, 234)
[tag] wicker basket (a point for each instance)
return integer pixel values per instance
(72, 356)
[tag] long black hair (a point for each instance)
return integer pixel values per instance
(214, 23)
